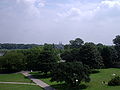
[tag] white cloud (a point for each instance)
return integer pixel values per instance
(111, 4)
(40, 21)
(90, 10)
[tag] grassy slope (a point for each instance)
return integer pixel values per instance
(95, 83)
(16, 77)
(19, 87)
(104, 75)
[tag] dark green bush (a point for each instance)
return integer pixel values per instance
(115, 81)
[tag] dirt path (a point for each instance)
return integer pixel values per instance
(37, 81)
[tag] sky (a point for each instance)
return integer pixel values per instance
(54, 21)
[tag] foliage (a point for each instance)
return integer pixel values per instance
(41, 58)
(70, 73)
(76, 43)
(114, 81)
(116, 41)
(109, 55)
(12, 61)
(90, 56)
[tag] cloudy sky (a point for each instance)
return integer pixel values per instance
(54, 21)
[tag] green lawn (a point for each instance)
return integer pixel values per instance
(19, 87)
(94, 84)
(104, 75)
(15, 77)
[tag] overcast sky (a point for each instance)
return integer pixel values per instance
(54, 21)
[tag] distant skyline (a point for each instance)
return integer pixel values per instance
(54, 21)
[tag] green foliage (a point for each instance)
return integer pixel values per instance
(116, 41)
(114, 81)
(67, 55)
(41, 58)
(70, 73)
(76, 43)
(90, 56)
(87, 54)
(109, 55)
(12, 61)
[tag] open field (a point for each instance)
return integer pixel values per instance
(19, 87)
(94, 84)
(15, 77)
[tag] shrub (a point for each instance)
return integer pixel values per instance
(115, 81)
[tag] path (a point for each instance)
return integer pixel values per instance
(17, 83)
(37, 81)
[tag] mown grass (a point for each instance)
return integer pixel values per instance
(15, 77)
(19, 87)
(94, 84)
(104, 75)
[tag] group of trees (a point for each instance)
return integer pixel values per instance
(95, 56)
(79, 59)
(37, 58)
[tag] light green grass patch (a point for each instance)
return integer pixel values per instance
(15, 77)
(19, 87)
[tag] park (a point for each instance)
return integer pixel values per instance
(75, 66)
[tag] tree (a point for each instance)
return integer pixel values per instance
(41, 58)
(76, 43)
(116, 41)
(13, 61)
(70, 55)
(109, 56)
(45, 60)
(72, 73)
(90, 55)
(32, 57)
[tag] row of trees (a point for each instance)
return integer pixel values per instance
(17, 46)
(38, 58)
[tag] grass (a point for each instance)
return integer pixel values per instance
(19, 87)
(104, 75)
(15, 77)
(94, 84)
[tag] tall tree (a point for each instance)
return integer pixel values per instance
(90, 55)
(76, 43)
(116, 41)
(72, 73)
(109, 56)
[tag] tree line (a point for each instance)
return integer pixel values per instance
(16, 46)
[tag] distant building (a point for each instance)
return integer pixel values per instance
(59, 46)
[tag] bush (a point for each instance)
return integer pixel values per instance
(115, 81)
